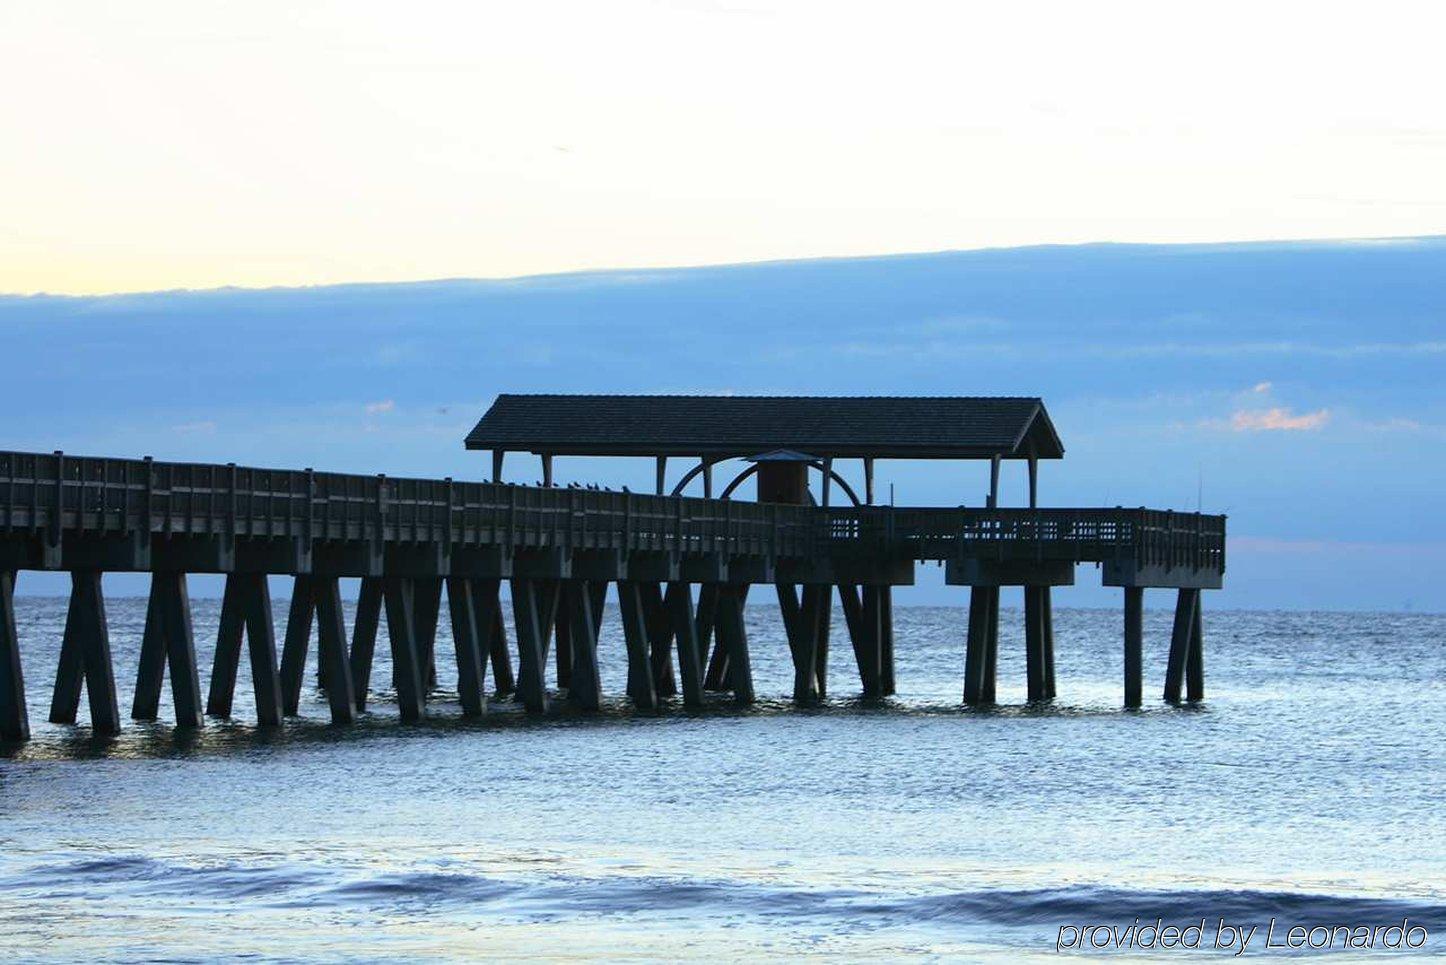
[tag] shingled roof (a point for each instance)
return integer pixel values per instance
(899, 427)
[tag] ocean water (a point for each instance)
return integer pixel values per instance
(1306, 789)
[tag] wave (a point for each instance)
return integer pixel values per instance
(551, 896)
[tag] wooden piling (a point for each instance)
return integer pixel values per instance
(585, 689)
(490, 622)
(531, 686)
(227, 659)
(1195, 663)
(1046, 604)
(800, 623)
(1034, 644)
(1181, 636)
(181, 649)
(562, 631)
(679, 603)
(364, 638)
(168, 643)
(151, 669)
(14, 716)
(466, 636)
(331, 649)
(399, 597)
(1134, 645)
(886, 640)
(85, 659)
(734, 636)
(660, 639)
(261, 648)
(635, 632)
(975, 646)
(245, 611)
(427, 608)
(299, 618)
(705, 622)
(824, 602)
(988, 693)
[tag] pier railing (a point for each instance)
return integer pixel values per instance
(55, 494)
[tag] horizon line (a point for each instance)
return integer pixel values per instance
(585, 273)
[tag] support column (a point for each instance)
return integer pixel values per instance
(168, 640)
(991, 659)
(227, 659)
(1046, 603)
(14, 717)
(471, 658)
(679, 603)
(427, 607)
(562, 631)
(399, 595)
(800, 623)
(734, 637)
(989, 644)
(1180, 642)
(85, 659)
(635, 632)
(705, 621)
(585, 689)
(660, 639)
(530, 684)
(1195, 664)
(364, 638)
(485, 594)
(886, 640)
(261, 648)
(246, 611)
(1033, 643)
(1134, 645)
(298, 638)
(864, 615)
(976, 646)
(331, 649)
(823, 603)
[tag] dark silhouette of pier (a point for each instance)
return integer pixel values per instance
(682, 566)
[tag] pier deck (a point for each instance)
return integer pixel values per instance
(559, 547)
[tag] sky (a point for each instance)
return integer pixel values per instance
(1294, 386)
(1210, 236)
(166, 145)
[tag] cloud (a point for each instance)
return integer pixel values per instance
(1277, 420)
(386, 405)
(1261, 388)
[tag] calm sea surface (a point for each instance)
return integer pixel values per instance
(1308, 788)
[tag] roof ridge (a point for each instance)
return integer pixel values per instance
(790, 398)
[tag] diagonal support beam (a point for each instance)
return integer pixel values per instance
(14, 717)
(679, 604)
(407, 666)
(471, 658)
(85, 659)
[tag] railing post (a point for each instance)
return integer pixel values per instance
(310, 506)
(55, 521)
(146, 496)
(447, 526)
(379, 516)
(231, 526)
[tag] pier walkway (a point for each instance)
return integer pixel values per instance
(682, 568)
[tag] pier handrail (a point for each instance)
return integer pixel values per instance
(57, 493)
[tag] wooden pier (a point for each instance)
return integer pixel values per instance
(682, 568)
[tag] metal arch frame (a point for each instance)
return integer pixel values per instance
(751, 470)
